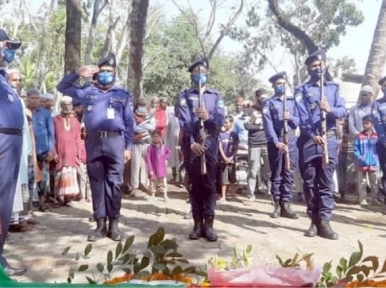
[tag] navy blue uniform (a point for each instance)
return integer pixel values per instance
(108, 118)
(11, 142)
(318, 180)
(378, 111)
(282, 179)
(204, 192)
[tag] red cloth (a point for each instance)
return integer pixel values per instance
(67, 142)
(160, 120)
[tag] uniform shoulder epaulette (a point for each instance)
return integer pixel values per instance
(213, 91)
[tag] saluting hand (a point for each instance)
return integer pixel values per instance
(287, 115)
(282, 147)
(87, 71)
(319, 140)
(202, 114)
(127, 155)
(325, 106)
(197, 149)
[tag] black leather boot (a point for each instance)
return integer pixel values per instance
(313, 229)
(197, 229)
(99, 232)
(208, 228)
(276, 210)
(12, 271)
(287, 212)
(326, 231)
(114, 233)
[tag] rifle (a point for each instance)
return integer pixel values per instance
(323, 123)
(201, 130)
(287, 163)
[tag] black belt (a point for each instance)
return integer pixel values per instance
(103, 134)
(11, 131)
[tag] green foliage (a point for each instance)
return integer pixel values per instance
(160, 255)
(240, 259)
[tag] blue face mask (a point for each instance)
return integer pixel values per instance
(105, 78)
(196, 78)
(315, 74)
(8, 54)
(280, 90)
(141, 109)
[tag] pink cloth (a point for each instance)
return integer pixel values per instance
(67, 142)
(160, 120)
(156, 158)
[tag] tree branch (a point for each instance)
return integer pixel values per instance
(287, 25)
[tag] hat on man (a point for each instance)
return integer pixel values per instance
(66, 98)
(47, 96)
(32, 92)
(281, 75)
(108, 61)
(203, 61)
(367, 89)
(10, 44)
(319, 55)
(380, 82)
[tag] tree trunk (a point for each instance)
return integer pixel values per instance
(73, 35)
(377, 56)
(138, 18)
(91, 36)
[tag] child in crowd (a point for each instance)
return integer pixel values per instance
(366, 161)
(228, 142)
(156, 159)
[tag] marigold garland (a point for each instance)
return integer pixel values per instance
(368, 283)
(154, 277)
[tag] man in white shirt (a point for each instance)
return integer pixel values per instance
(359, 111)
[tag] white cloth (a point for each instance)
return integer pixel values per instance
(172, 133)
(22, 193)
(138, 166)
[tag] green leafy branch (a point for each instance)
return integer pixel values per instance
(161, 255)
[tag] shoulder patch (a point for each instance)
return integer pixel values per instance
(182, 101)
(221, 104)
(265, 110)
(298, 97)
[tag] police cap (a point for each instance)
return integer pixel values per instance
(281, 75)
(316, 56)
(108, 61)
(380, 82)
(10, 44)
(203, 61)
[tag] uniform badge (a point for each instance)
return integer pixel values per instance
(183, 102)
(374, 111)
(298, 97)
(10, 97)
(111, 61)
(265, 110)
(221, 104)
(89, 108)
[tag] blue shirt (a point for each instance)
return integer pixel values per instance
(11, 111)
(96, 104)
(239, 128)
(307, 97)
(378, 112)
(273, 117)
(44, 130)
(229, 142)
(188, 103)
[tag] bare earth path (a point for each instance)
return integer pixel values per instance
(237, 225)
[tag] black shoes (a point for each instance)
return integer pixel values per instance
(100, 232)
(114, 233)
(12, 271)
(321, 228)
(287, 212)
(203, 228)
(197, 229)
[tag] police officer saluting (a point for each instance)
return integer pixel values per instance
(318, 176)
(203, 192)
(108, 118)
(378, 111)
(11, 142)
(279, 152)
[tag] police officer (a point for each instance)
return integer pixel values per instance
(108, 118)
(318, 177)
(11, 142)
(378, 111)
(203, 194)
(273, 118)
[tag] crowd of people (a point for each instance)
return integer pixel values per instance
(50, 157)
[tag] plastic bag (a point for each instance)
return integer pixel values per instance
(263, 276)
(6, 282)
